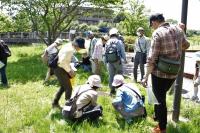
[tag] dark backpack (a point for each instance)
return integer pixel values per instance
(111, 52)
(70, 106)
(53, 60)
(5, 51)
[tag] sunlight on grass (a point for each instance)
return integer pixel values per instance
(25, 107)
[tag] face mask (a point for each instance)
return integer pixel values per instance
(138, 34)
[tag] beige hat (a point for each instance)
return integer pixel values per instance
(140, 29)
(118, 80)
(94, 80)
(58, 41)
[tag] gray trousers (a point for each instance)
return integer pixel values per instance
(65, 85)
(113, 69)
(138, 61)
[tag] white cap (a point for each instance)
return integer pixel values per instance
(94, 80)
(118, 80)
(58, 41)
(113, 31)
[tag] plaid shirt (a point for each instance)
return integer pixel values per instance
(164, 44)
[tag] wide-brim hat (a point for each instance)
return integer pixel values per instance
(118, 80)
(94, 80)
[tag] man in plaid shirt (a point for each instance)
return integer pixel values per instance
(164, 43)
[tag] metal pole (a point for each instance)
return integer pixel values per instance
(179, 80)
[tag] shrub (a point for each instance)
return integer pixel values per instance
(129, 43)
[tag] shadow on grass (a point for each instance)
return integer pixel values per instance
(27, 68)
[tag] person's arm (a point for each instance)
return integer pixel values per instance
(122, 51)
(152, 57)
(196, 71)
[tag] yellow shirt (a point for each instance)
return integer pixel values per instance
(64, 57)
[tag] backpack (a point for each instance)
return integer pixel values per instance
(44, 57)
(70, 107)
(111, 52)
(6, 51)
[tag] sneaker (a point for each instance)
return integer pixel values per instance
(194, 98)
(157, 130)
(56, 106)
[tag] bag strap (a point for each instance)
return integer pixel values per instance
(134, 91)
(77, 95)
(140, 46)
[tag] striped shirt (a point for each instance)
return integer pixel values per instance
(98, 50)
(163, 43)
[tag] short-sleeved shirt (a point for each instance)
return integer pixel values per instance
(164, 43)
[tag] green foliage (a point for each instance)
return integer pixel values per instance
(135, 17)
(6, 23)
(26, 105)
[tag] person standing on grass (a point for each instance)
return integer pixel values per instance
(167, 41)
(142, 46)
(93, 41)
(4, 54)
(196, 81)
(97, 55)
(114, 56)
(64, 71)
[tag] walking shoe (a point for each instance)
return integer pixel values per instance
(56, 106)
(194, 98)
(157, 130)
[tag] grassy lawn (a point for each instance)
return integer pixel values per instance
(25, 107)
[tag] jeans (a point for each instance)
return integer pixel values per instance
(3, 75)
(65, 85)
(113, 69)
(160, 87)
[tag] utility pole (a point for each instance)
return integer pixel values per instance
(179, 80)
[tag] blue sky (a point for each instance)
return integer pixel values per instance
(172, 9)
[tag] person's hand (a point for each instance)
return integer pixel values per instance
(71, 74)
(144, 81)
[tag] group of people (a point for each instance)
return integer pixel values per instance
(167, 41)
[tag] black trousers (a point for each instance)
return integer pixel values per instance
(91, 112)
(65, 85)
(138, 61)
(160, 87)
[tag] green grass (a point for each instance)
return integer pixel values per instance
(25, 107)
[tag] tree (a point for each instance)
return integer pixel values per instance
(134, 17)
(51, 17)
(6, 23)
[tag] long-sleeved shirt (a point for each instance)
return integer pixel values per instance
(98, 50)
(167, 41)
(89, 96)
(120, 47)
(65, 56)
(144, 44)
(91, 47)
(126, 96)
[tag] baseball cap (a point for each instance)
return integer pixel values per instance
(118, 80)
(140, 29)
(113, 31)
(94, 80)
(58, 41)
